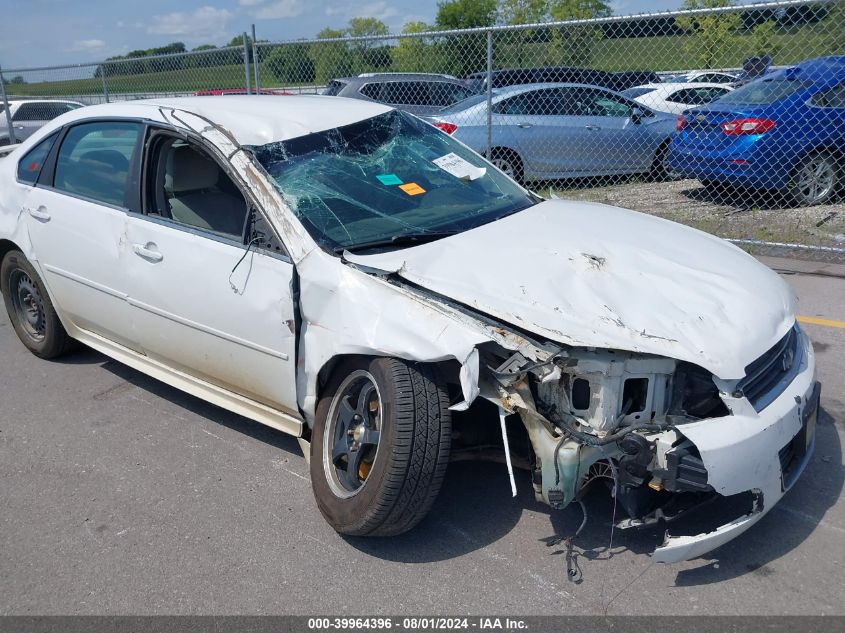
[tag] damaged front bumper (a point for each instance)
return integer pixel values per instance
(763, 452)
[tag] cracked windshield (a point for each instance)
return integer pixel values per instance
(389, 181)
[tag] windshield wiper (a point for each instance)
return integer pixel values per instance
(406, 239)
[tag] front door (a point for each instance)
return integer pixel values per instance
(201, 299)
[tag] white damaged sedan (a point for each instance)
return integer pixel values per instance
(346, 273)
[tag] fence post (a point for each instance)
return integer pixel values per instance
(255, 70)
(105, 85)
(12, 139)
(489, 92)
(246, 64)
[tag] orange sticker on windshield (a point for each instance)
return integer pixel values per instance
(412, 189)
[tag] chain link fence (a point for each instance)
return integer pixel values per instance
(714, 117)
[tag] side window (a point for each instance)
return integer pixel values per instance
(687, 96)
(373, 91)
(405, 92)
(94, 158)
(833, 98)
(534, 103)
(193, 190)
(30, 165)
(445, 94)
(29, 112)
(601, 103)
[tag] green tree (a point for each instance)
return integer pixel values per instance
(330, 59)
(415, 54)
(291, 64)
(764, 40)
(573, 45)
(834, 42)
(369, 54)
(523, 11)
(465, 14)
(711, 36)
(465, 54)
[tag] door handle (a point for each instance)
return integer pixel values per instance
(147, 252)
(592, 127)
(525, 126)
(39, 214)
(19, 127)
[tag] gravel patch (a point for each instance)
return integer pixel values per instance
(727, 213)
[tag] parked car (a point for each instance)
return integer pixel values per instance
(543, 75)
(344, 272)
(784, 132)
(703, 76)
(625, 79)
(676, 97)
(30, 115)
(228, 92)
(548, 131)
(418, 93)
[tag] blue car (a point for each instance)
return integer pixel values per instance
(782, 132)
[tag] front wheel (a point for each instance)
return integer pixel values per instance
(508, 162)
(380, 445)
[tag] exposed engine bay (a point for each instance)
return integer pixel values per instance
(594, 414)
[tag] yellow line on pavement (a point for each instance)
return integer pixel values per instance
(818, 321)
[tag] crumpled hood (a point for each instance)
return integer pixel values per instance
(593, 275)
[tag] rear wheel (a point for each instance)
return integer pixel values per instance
(508, 162)
(660, 169)
(814, 180)
(30, 309)
(380, 445)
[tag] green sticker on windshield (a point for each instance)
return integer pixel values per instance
(389, 179)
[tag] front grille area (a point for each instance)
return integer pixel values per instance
(767, 377)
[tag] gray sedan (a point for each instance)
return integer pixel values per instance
(547, 131)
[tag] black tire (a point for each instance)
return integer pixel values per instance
(509, 162)
(660, 171)
(819, 187)
(30, 308)
(407, 465)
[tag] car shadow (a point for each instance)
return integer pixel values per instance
(200, 407)
(739, 198)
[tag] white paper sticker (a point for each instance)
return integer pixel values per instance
(458, 167)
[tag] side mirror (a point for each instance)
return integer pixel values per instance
(637, 115)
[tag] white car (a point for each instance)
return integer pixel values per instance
(704, 76)
(29, 115)
(676, 97)
(349, 274)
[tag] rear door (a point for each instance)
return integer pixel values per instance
(76, 218)
(202, 299)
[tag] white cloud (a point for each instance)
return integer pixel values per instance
(380, 10)
(276, 9)
(86, 45)
(205, 22)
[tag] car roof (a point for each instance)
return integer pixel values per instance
(819, 68)
(251, 119)
(518, 88)
(683, 85)
(383, 77)
(20, 101)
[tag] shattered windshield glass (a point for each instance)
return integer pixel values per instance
(389, 180)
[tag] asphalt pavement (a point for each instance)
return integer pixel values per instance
(121, 495)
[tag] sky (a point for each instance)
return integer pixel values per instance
(52, 32)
